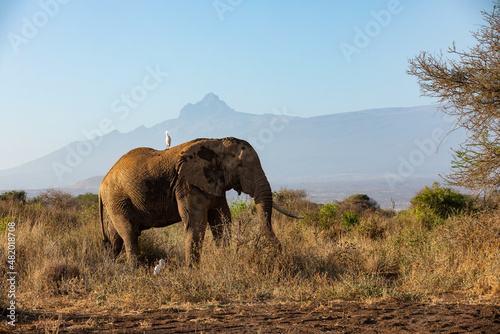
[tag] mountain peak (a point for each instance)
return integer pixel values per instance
(210, 106)
(210, 98)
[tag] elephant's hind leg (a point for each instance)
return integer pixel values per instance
(116, 241)
(128, 237)
(112, 238)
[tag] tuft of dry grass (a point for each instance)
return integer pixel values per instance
(60, 259)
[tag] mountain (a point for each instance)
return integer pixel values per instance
(388, 152)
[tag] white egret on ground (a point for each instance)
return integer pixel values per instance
(167, 140)
(159, 266)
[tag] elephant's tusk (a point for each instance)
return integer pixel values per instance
(283, 211)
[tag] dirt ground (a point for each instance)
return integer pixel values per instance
(341, 317)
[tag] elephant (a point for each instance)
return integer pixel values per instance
(155, 188)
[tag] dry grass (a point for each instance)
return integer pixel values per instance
(60, 260)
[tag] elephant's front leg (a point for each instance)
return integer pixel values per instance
(195, 224)
(219, 219)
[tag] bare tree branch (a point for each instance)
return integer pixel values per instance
(467, 86)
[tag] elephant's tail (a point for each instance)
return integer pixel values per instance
(101, 215)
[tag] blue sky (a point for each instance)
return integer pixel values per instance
(67, 65)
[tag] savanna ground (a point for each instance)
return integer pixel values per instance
(348, 266)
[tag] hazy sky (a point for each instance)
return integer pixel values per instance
(67, 65)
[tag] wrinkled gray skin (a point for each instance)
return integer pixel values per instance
(149, 188)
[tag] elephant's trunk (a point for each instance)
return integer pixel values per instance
(263, 198)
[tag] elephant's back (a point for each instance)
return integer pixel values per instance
(135, 158)
(133, 178)
(130, 166)
(140, 153)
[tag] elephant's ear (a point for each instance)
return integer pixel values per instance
(199, 166)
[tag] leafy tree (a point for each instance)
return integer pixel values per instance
(467, 87)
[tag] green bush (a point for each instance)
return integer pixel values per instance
(327, 215)
(434, 205)
(240, 206)
(354, 207)
(343, 214)
(350, 219)
(87, 199)
(19, 195)
(4, 221)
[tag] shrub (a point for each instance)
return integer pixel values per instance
(87, 200)
(360, 204)
(434, 205)
(19, 195)
(295, 201)
(240, 206)
(327, 215)
(287, 195)
(375, 225)
(349, 219)
(56, 199)
(4, 221)
(53, 273)
(344, 215)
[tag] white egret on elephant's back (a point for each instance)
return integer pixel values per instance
(167, 140)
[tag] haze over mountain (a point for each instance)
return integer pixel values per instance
(384, 152)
